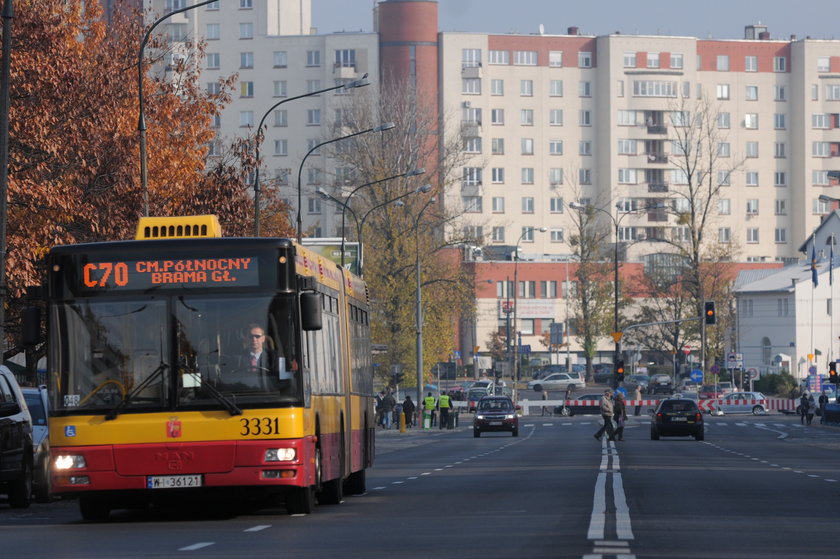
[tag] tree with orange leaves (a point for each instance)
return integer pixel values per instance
(73, 148)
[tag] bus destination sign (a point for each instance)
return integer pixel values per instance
(188, 272)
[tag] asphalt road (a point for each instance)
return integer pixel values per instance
(756, 487)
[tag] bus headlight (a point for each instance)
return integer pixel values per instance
(280, 455)
(69, 462)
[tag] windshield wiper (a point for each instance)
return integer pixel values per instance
(114, 412)
(224, 400)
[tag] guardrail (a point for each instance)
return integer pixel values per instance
(771, 404)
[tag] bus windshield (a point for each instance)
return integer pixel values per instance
(175, 353)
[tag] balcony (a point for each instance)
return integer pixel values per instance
(471, 70)
(471, 188)
(471, 127)
(657, 187)
(345, 71)
(657, 158)
(657, 129)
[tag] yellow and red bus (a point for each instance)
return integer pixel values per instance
(152, 394)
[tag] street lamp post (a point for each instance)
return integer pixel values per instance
(258, 139)
(360, 223)
(419, 300)
(5, 76)
(380, 128)
(616, 223)
(517, 338)
(141, 122)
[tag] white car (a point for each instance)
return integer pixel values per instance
(558, 381)
(744, 402)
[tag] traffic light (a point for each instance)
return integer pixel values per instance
(709, 312)
(832, 373)
(619, 371)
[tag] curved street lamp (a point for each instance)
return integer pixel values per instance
(360, 222)
(380, 128)
(419, 300)
(141, 123)
(259, 137)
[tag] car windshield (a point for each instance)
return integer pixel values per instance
(36, 408)
(157, 353)
(678, 406)
(496, 405)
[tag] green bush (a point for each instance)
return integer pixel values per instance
(782, 384)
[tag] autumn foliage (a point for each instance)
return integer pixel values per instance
(74, 171)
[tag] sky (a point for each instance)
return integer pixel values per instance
(818, 19)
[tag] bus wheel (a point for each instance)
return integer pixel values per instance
(94, 509)
(356, 483)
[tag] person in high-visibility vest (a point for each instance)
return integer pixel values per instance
(429, 405)
(445, 404)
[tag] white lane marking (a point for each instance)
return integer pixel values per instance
(412, 477)
(623, 528)
(196, 546)
(831, 480)
(380, 488)
(599, 508)
(258, 528)
(548, 424)
(398, 482)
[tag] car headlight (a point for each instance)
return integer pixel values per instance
(510, 416)
(69, 462)
(479, 416)
(280, 455)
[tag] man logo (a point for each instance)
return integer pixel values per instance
(173, 428)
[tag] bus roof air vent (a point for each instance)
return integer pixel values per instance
(188, 227)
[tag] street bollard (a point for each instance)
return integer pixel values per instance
(427, 420)
(402, 422)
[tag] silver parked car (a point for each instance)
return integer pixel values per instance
(744, 402)
(558, 381)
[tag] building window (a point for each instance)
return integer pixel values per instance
(470, 58)
(526, 117)
(724, 178)
(832, 92)
(627, 147)
(555, 88)
(752, 149)
(722, 63)
(498, 205)
(750, 64)
(585, 147)
(724, 206)
(246, 118)
(214, 88)
(555, 176)
(497, 87)
(819, 178)
(724, 149)
(821, 149)
(722, 90)
(313, 85)
(246, 30)
(585, 118)
(779, 150)
(497, 234)
(527, 146)
(528, 237)
(280, 88)
(584, 59)
(526, 88)
(471, 86)
(653, 60)
(314, 205)
(281, 118)
(723, 120)
(497, 175)
(823, 64)
(555, 58)
(497, 116)
(779, 178)
(627, 176)
(527, 175)
(821, 207)
(820, 121)
(676, 60)
(556, 236)
(527, 205)
(212, 32)
(555, 147)
(629, 59)
(556, 205)
(555, 117)
(585, 176)
(751, 178)
(525, 58)
(779, 121)
(499, 57)
(780, 93)
(654, 88)
(472, 176)
(281, 147)
(752, 207)
(724, 235)
(313, 58)
(752, 235)
(313, 117)
(281, 59)
(779, 64)
(472, 204)
(585, 89)
(751, 121)
(781, 207)
(497, 146)
(751, 93)
(213, 60)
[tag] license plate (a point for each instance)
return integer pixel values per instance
(680, 418)
(495, 423)
(172, 482)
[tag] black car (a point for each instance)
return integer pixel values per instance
(15, 442)
(603, 373)
(677, 417)
(495, 413)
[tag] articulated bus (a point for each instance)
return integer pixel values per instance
(153, 394)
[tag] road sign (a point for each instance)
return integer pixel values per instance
(525, 349)
(696, 376)
(686, 350)
(617, 336)
(752, 373)
(812, 370)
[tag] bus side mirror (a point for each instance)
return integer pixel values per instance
(31, 326)
(310, 311)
